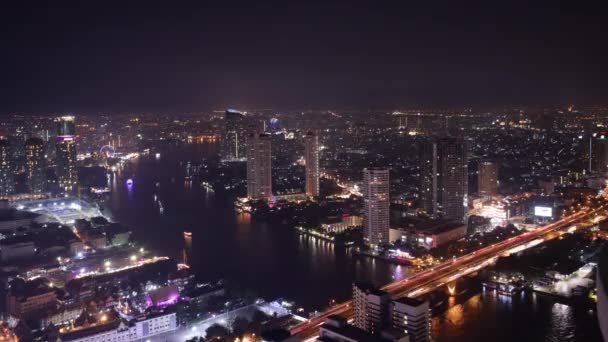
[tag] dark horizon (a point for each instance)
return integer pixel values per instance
(150, 58)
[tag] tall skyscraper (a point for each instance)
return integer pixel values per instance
(454, 177)
(444, 177)
(234, 138)
(487, 180)
(376, 207)
(311, 155)
(428, 176)
(65, 144)
(67, 171)
(7, 185)
(598, 152)
(35, 165)
(371, 307)
(411, 315)
(259, 166)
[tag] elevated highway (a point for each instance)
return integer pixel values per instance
(434, 277)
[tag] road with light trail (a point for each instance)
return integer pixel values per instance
(434, 277)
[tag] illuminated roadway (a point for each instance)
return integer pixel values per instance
(431, 278)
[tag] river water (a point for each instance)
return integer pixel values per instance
(274, 261)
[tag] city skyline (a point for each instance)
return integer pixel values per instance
(502, 183)
(318, 171)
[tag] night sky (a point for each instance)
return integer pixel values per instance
(160, 57)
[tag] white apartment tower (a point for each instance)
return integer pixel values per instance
(370, 306)
(259, 167)
(412, 316)
(376, 205)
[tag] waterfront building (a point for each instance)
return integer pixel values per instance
(412, 316)
(259, 167)
(35, 165)
(338, 224)
(371, 307)
(376, 205)
(311, 156)
(337, 329)
(437, 233)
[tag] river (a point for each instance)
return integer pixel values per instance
(275, 261)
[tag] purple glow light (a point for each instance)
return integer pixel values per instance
(162, 303)
(129, 182)
(62, 138)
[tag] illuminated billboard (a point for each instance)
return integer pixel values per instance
(543, 211)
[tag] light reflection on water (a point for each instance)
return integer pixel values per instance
(488, 316)
(561, 323)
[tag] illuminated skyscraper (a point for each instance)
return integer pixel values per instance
(234, 138)
(67, 170)
(428, 176)
(454, 177)
(444, 177)
(598, 152)
(376, 205)
(487, 180)
(311, 154)
(35, 165)
(6, 169)
(259, 166)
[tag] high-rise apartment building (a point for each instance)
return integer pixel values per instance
(428, 164)
(454, 177)
(65, 144)
(7, 185)
(35, 165)
(444, 177)
(413, 316)
(311, 155)
(371, 307)
(598, 152)
(67, 170)
(259, 166)
(487, 180)
(376, 205)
